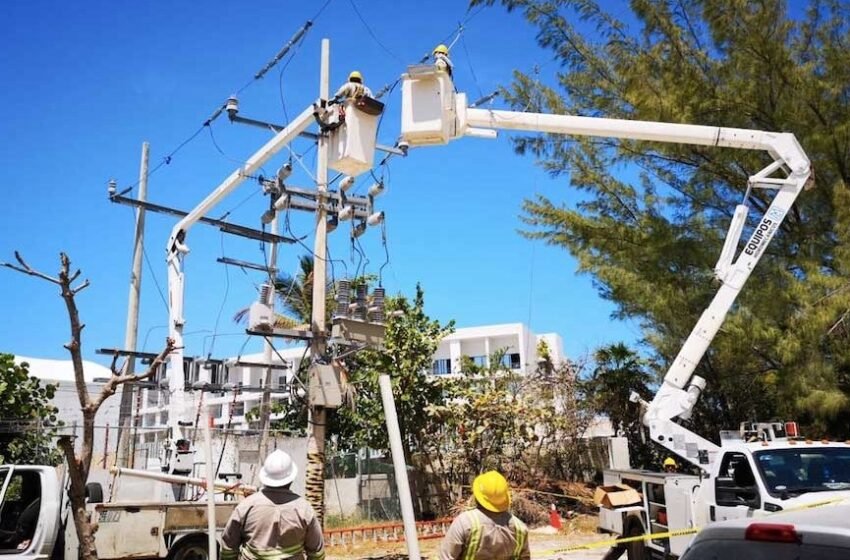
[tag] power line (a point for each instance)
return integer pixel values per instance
(372, 33)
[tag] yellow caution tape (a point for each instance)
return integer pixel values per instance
(668, 534)
(623, 540)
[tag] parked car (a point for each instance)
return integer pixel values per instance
(821, 533)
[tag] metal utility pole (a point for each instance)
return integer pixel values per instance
(315, 476)
(132, 330)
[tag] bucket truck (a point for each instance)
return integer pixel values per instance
(759, 469)
(34, 509)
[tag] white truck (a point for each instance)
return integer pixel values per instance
(35, 521)
(753, 472)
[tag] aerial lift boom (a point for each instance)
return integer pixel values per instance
(433, 113)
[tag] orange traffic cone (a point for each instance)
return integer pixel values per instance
(554, 518)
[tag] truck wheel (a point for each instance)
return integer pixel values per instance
(190, 548)
(636, 550)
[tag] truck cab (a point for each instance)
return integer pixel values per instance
(758, 472)
(30, 510)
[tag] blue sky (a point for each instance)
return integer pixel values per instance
(85, 83)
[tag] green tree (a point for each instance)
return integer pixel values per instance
(649, 239)
(27, 419)
(410, 341)
(618, 372)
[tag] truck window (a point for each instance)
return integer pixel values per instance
(736, 484)
(791, 472)
(20, 509)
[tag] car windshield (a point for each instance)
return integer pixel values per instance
(791, 472)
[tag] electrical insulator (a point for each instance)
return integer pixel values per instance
(375, 219)
(232, 106)
(360, 313)
(377, 308)
(281, 202)
(112, 187)
(343, 297)
(333, 221)
(284, 172)
(376, 189)
(346, 183)
(346, 213)
(265, 293)
(358, 230)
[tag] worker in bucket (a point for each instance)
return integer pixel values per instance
(442, 60)
(670, 465)
(275, 523)
(489, 531)
(352, 89)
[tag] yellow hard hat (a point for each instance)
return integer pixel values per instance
(355, 75)
(442, 49)
(669, 462)
(492, 492)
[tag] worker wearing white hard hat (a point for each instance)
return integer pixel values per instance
(275, 523)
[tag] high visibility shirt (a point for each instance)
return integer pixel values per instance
(352, 90)
(482, 535)
(273, 524)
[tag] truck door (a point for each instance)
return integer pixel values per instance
(28, 516)
(736, 492)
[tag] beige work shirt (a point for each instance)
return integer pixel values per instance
(273, 524)
(480, 535)
(352, 90)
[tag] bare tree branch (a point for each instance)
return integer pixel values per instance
(27, 269)
(117, 379)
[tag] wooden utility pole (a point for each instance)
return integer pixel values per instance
(315, 476)
(132, 329)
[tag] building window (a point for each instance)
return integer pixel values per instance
(239, 408)
(511, 361)
(442, 367)
(480, 361)
(281, 382)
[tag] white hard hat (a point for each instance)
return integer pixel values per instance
(278, 470)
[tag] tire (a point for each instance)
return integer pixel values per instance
(94, 493)
(190, 548)
(636, 550)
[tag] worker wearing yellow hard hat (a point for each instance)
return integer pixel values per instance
(353, 88)
(670, 465)
(489, 530)
(442, 60)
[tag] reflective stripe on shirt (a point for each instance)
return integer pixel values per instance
(280, 553)
(474, 537)
(521, 533)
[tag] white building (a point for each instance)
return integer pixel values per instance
(61, 374)
(151, 408)
(479, 343)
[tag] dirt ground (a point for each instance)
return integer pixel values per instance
(544, 543)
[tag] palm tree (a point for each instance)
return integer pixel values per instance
(295, 297)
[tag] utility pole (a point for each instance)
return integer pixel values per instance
(315, 476)
(268, 349)
(132, 329)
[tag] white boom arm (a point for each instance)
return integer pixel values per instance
(177, 249)
(432, 113)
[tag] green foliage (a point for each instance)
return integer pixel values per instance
(618, 372)
(410, 342)
(649, 239)
(27, 418)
